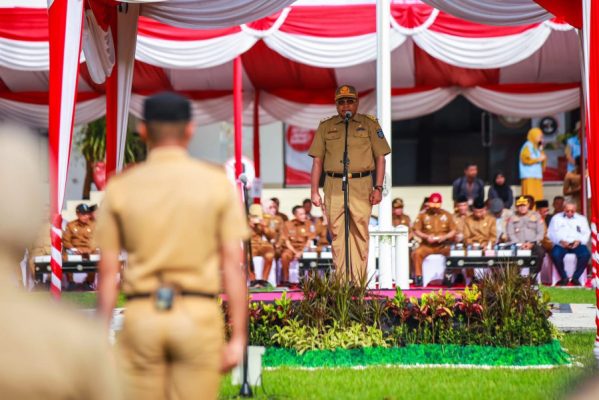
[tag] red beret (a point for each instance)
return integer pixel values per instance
(435, 198)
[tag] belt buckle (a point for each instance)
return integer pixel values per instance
(349, 175)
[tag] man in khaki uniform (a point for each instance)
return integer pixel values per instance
(462, 211)
(367, 148)
(276, 225)
(48, 352)
(181, 223)
(436, 227)
(279, 214)
(480, 228)
(298, 233)
(77, 238)
(260, 240)
(399, 218)
(527, 229)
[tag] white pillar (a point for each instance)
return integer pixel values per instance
(371, 266)
(383, 109)
(402, 258)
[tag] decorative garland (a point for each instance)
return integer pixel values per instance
(550, 354)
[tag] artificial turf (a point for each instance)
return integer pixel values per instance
(428, 383)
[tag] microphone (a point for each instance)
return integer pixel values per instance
(348, 115)
(243, 179)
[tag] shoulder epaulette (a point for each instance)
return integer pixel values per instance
(372, 117)
(327, 118)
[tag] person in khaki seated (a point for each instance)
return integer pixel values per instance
(462, 211)
(527, 229)
(480, 228)
(42, 246)
(399, 218)
(77, 238)
(542, 207)
(298, 233)
(322, 234)
(48, 352)
(260, 242)
(276, 225)
(436, 227)
(181, 222)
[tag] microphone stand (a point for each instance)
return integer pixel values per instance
(345, 189)
(246, 389)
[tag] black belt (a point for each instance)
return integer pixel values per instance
(182, 293)
(350, 175)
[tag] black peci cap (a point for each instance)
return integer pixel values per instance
(479, 204)
(542, 204)
(462, 199)
(167, 107)
(83, 209)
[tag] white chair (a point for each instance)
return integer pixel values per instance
(433, 269)
(569, 267)
(259, 267)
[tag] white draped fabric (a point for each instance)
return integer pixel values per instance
(417, 104)
(212, 14)
(98, 47)
(493, 12)
(26, 56)
(36, 115)
(524, 105)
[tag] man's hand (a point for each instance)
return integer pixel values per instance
(316, 200)
(298, 254)
(431, 239)
(375, 197)
(575, 244)
(232, 354)
(542, 158)
(564, 244)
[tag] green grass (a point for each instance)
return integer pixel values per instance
(568, 295)
(80, 299)
(428, 383)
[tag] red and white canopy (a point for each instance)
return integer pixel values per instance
(525, 70)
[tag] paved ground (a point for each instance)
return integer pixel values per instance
(574, 317)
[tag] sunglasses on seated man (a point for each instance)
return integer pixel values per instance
(342, 102)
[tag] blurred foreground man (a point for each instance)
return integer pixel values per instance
(366, 149)
(47, 352)
(181, 222)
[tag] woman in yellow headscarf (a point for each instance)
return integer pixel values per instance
(532, 164)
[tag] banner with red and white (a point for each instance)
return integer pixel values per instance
(297, 161)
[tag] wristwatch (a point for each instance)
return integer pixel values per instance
(378, 187)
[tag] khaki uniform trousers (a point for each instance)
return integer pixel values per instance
(359, 212)
(423, 251)
(267, 252)
(532, 187)
(173, 354)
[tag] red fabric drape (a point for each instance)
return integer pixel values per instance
(237, 114)
(567, 10)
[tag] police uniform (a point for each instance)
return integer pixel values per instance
(172, 229)
(365, 143)
(436, 223)
(529, 227)
(480, 231)
(260, 239)
(298, 235)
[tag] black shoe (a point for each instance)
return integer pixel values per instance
(447, 281)
(562, 282)
(575, 282)
(418, 281)
(71, 286)
(88, 287)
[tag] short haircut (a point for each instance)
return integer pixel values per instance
(306, 201)
(470, 164)
(166, 115)
(276, 201)
(159, 130)
(558, 198)
(294, 209)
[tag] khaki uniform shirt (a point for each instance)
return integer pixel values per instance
(51, 353)
(283, 216)
(275, 230)
(526, 228)
(482, 231)
(365, 142)
(299, 233)
(43, 243)
(171, 225)
(431, 223)
(321, 233)
(460, 220)
(78, 235)
(258, 232)
(403, 220)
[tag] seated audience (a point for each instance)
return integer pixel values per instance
(77, 238)
(526, 229)
(307, 204)
(558, 207)
(260, 243)
(462, 211)
(570, 233)
(499, 189)
(502, 215)
(542, 207)
(399, 218)
(277, 226)
(299, 233)
(277, 203)
(480, 228)
(469, 185)
(436, 227)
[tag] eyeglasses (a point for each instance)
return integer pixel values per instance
(349, 102)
